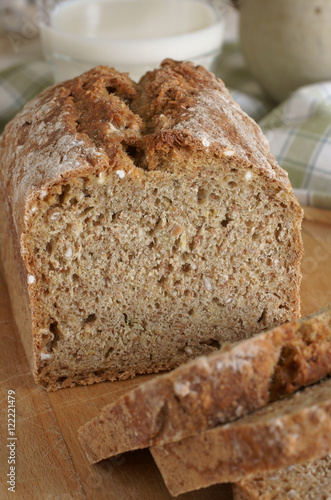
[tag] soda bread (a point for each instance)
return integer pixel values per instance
(291, 431)
(147, 224)
(311, 481)
(211, 390)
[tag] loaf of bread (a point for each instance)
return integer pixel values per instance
(291, 431)
(212, 390)
(311, 481)
(147, 224)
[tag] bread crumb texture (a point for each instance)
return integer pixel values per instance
(311, 481)
(152, 221)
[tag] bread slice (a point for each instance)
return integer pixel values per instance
(212, 390)
(147, 224)
(294, 430)
(311, 481)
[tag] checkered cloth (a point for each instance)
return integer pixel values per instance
(18, 85)
(299, 129)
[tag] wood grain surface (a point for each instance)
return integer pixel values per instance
(50, 463)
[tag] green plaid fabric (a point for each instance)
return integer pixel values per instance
(18, 85)
(299, 129)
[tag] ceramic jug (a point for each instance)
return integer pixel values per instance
(286, 43)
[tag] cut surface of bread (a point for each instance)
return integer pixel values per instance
(294, 430)
(212, 390)
(147, 224)
(311, 481)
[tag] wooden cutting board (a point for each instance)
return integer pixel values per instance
(50, 463)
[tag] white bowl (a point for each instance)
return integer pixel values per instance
(130, 35)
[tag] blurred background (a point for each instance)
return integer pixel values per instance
(273, 55)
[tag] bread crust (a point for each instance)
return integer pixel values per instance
(173, 123)
(311, 481)
(186, 106)
(212, 390)
(287, 432)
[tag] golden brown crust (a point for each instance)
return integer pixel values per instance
(14, 272)
(187, 106)
(311, 481)
(195, 396)
(65, 130)
(213, 390)
(308, 358)
(287, 432)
